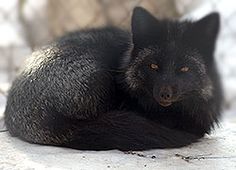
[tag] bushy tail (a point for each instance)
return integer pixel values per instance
(126, 131)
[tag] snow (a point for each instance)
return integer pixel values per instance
(10, 26)
(217, 151)
(9, 35)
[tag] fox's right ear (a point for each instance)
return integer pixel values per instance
(143, 25)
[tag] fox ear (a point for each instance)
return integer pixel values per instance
(209, 26)
(142, 24)
(204, 33)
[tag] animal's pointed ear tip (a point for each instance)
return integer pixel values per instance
(214, 15)
(138, 9)
(212, 18)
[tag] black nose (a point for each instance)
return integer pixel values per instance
(166, 93)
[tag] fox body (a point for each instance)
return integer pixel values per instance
(154, 87)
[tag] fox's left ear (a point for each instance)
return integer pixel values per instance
(204, 32)
(209, 26)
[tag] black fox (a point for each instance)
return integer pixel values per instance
(154, 87)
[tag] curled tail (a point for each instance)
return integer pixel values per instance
(126, 131)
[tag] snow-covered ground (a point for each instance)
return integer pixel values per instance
(215, 152)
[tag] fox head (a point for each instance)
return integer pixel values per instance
(172, 61)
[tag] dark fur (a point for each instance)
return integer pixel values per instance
(95, 90)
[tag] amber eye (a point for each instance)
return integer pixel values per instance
(184, 69)
(154, 66)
